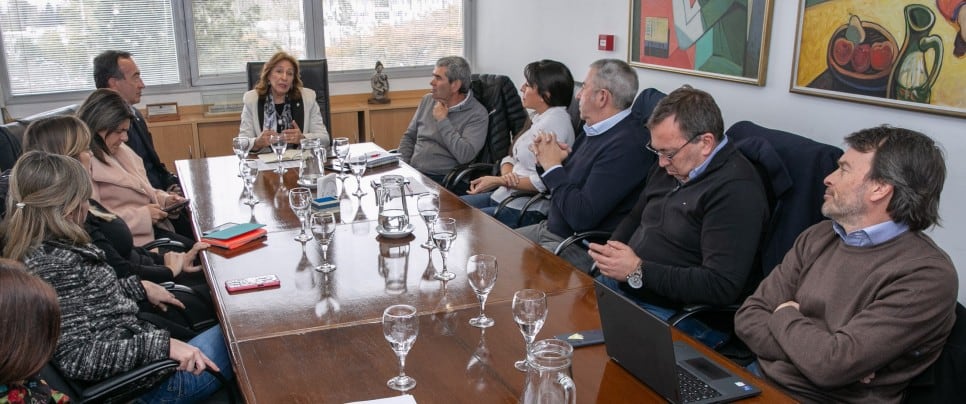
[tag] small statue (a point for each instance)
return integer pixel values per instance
(380, 86)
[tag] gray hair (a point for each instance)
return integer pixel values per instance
(457, 68)
(618, 78)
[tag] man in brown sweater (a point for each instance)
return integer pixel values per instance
(864, 302)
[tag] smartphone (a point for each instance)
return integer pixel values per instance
(583, 338)
(255, 282)
(176, 206)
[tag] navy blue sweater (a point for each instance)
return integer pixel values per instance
(600, 181)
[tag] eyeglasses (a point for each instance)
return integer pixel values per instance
(670, 155)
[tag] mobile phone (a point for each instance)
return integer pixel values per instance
(176, 206)
(583, 338)
(255, 282)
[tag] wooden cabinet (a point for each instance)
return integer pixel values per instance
(197, 135)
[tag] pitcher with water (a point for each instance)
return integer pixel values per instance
(549, 378)
(393, 213)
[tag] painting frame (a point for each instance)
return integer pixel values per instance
(714, 37)
(818, 71)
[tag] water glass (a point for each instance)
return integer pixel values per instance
(278, 144)
(481, 271)
(529, 312)
(300, 199)
(400, 326)
(249, 174)
(242, 145)
(323, 228)
(444, 233)
(341, 147)
(428, 207)
(357, 163)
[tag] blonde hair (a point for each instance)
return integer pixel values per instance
(45, 189)
(263, 85)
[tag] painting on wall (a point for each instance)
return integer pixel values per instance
(724, 39)
(904, 54)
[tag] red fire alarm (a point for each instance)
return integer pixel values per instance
(605, 42)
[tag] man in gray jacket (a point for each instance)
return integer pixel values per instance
(449, 127)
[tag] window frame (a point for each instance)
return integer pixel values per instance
(191, 82)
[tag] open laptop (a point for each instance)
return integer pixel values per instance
(641, 343)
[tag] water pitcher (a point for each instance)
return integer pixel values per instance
(312, 157)
(549, 378)
(391, 198)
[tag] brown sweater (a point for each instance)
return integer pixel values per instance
(885, 309)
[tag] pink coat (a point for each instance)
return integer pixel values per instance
(122, 186)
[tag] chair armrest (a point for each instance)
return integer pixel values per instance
(458, 173)
(595, 234)
(694, 309)
(165, 242)
(128, 385)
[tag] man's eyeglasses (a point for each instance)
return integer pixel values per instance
(670, 155)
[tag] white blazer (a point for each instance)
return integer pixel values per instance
(314, 125)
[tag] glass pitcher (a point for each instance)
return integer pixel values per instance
(311, 159)
(391, 198)
(549, 378)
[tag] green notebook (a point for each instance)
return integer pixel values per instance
(227, 233)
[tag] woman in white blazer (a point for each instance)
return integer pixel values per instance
(291, 109)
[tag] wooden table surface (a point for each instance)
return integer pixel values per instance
(317, 337)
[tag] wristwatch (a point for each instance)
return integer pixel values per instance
(636, 279)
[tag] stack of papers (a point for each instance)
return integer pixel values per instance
(230, 235)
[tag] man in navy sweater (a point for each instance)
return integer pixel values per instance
(594, 185)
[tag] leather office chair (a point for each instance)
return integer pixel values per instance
(11, 135)
(315, 75)
(942, 382)
(506, 119)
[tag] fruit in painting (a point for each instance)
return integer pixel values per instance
(842, 51)
(881, 57)
(862, 58)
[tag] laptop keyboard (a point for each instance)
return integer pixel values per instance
(693, 389)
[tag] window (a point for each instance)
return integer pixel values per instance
(48, 45)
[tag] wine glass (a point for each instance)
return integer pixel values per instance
(444, 232)
(241, 145)
(481, 271)
(341, 147)
(323, 228)
(428, 207)
(357, 162)
(249, 174)
(529, 312)
(300, 200)
(400, 325)
(277, 141)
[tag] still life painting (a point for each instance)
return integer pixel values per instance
(905, 54)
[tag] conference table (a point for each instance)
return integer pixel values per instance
(317, 338)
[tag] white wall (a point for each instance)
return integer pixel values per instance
(512, 33)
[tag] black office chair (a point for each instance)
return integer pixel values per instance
(11, 135)
(942, 382)
(315, 75)
(506, 119)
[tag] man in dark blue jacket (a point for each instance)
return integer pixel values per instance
(594, 185)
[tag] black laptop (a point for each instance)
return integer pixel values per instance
(641, 343)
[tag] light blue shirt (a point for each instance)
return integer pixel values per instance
(871, 236)
(598, 128)
(703, 166)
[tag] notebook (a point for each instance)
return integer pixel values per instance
(641, 343)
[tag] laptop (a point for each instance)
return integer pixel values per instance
(641, 343)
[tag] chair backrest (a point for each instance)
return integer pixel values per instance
(506, 114)
(793, 169)
(315, 75)
(645, 102)
(942, 382)
(11, 135)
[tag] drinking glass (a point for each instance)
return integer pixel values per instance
(357, 162)
(428, 207)
(481, 271)
(444, 233)
(400, 325)
(249, 174)
(277, 141)
(323, 228)
(341, 147)
(300, 199)
(241, 145)
(529, 312)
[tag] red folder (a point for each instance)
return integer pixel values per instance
(238, 240)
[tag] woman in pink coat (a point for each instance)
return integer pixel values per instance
(120, 183)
